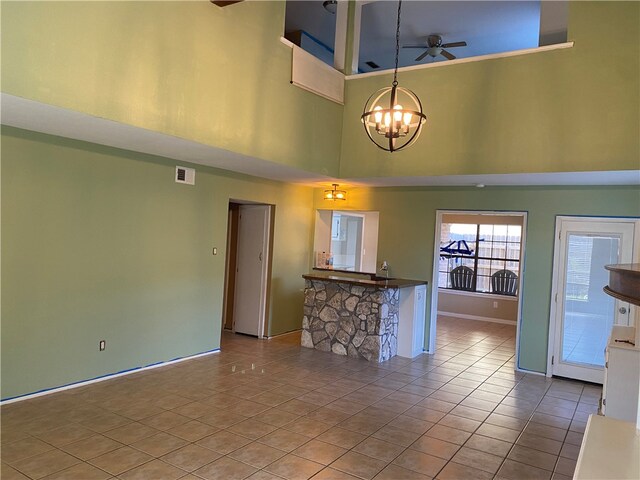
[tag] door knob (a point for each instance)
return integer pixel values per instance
(622, 310)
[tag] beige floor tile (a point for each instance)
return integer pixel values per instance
(434, 446)
(308, 427)
(223, 442)
(159, 444)
(379, 449)
(65, 435)
(448, 434)
(252, 428)
(540, 443)
(155, 469)
(120, 460)
(262, 475)
(105, 422)
(192, 431)
(468, 412)
(477, 459)
(455, 471)
(359, 465)
(395, 435)
(9, 473)
(395, 472)
(333, 474)
(191, 457)
(420, 462)
(512, 470)
(257, 454)
(497, 432)
(284, 440)
(45, 464)
(341, 437)
(165, 420)
(489, 445)
(277, 417)
(81, 471)
(222, 419)
(460, 423)
(292, 467)
(225, 468)
(130, 433)
(320, 452)
(91, 447)
(566, 466)
(327, 415)
(22, 449)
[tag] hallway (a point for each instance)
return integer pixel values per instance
(271, 409)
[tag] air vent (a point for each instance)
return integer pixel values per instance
(372, 64)
(185, 175)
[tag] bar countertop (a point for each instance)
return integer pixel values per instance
(380, 282)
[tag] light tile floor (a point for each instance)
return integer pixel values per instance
(273, 410)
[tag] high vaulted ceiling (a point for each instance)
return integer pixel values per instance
(487, 27)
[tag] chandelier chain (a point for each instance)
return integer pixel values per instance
(395, 71)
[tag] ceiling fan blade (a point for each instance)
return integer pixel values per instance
(444, 53)
(414, 46)
(426, 52)
(454, 44)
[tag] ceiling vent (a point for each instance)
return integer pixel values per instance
(185, 175)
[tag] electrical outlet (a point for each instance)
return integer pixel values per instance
(102, 345)
(495, 304)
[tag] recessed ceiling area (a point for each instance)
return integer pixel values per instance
(487, 27)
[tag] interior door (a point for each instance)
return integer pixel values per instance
(251, 275)
(584, 314)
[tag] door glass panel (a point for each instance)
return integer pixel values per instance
(588, 311)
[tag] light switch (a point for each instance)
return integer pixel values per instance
(215, 251)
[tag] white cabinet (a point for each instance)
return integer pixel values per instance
(621, 375)
(411, 321)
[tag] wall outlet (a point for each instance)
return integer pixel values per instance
(102, 345)
(495, 304)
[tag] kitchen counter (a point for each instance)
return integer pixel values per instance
(353, 316)
(367, 282)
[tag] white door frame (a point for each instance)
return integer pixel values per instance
(556, 265)
(264, 274)
(434, 279)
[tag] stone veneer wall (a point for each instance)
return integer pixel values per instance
(351, 319)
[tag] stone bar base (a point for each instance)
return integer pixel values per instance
(354, 320)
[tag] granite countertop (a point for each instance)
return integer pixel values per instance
(366, 282)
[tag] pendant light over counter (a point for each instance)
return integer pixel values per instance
(335, 194)
(393, 116)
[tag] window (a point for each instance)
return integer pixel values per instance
(485, 249)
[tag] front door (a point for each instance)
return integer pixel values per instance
(584, 314)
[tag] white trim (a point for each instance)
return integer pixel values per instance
(465, 316)
(436, 256)
(283, 334)
(108, 376)
(340, 37)
(494, 296)
(529, 372)
(556, 265)
(287, 42)
(458, 61)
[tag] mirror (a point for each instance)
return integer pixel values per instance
(346, 240)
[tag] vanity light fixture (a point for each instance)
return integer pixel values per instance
(388, 124)
(335, 194)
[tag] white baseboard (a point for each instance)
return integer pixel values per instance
(476, 317)
(108, 376)
(285, 333)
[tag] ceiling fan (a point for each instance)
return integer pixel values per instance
(435, 47)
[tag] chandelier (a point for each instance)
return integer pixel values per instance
(389, 124)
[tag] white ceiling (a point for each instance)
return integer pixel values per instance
(487, 26)
(30, 115)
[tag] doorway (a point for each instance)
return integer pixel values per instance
(489, 248)
(248, 268)
(582, 314)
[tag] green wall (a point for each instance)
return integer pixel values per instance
(559, 111)
(218, 76)
(100, 243)
(407, 230)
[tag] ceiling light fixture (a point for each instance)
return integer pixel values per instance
(330, 6)
(335, 194)
(388, 124)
